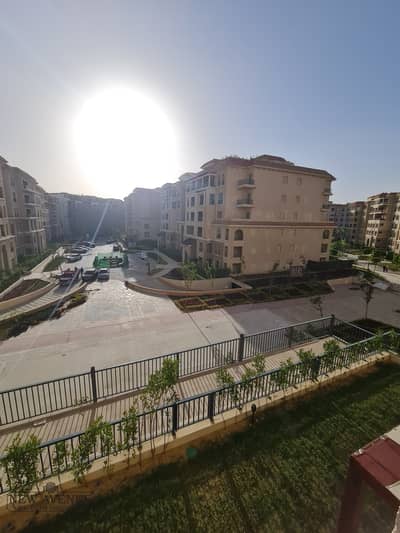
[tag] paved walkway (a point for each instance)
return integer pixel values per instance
(76, 420)
(51, 297)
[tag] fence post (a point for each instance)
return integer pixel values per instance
(211, 405)
(290, 336)
(332, 324)
(94, 386)
(241, 347)
(174, 419)
(177, 358)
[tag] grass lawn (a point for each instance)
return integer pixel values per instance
(54, 264)
(285, 474)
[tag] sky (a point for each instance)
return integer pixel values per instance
(317, 82)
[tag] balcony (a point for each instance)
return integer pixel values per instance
(246, 183)
(325, 207)
(244, 202)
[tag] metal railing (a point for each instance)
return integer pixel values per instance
(38, 399)
(170, 418)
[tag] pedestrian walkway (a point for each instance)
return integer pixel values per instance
(48, 299)
(78, 419)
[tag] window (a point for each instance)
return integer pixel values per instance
(218, 233)
(247, 214)
(206, 181)
(146, 235)
(212, 199)
(324, 248)
(283, 198)
(201, 199)
(238, 235)
(212, 181)
(200, 246)
(200, 216)
(189, 230)
(227, 234)
(199, 231)
(284, 180)
(220, 198)
(14, 197)
(225, 251)
(192, 201)
(299, 180)
(298, 199)
(236, 268)
(219, 214)
(325, 234)
(237, 251)
(192, 216)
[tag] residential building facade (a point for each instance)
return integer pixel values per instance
(8, 245)
(172, 198)
(26, 210)
(380, 216)
(257, 215)
(394, 239)
(350, 221)
(143, 214)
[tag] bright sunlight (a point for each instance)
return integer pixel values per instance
(124, 140)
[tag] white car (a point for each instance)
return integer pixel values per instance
(104, 274)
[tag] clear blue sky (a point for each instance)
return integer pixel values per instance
(317, 82)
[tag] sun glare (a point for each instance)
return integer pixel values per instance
(124, 140)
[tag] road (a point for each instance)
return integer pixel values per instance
(117, 325)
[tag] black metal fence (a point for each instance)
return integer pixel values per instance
(169, 419)
(39, 399)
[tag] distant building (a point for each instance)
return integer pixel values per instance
(350, 221)
(173, 213)
(8, 245)
(394, 239)
(26, 210)
(382, 210)
(143, 215)
(257, 215)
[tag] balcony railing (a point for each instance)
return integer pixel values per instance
(244, 202)
(246, 183)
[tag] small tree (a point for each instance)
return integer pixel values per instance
(189, 273)
(209, 272)
(224, 379)
(81, 455)
(306, 357)
(281, 376)
(368, 293)
(317, 303)
(59, 458)
(129, 425)
(331, 353)
(20, 464)
(160, 390)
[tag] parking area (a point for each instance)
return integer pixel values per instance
(117, 325)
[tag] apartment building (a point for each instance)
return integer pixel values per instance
(257, 215)
(350, 221)
(172, 198)
(26, 210)
(143, 214)
(91, 215)
(380, 216)
(8, 245)
(394, 239)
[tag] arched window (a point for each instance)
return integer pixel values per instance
(238, 235)
(325, 234)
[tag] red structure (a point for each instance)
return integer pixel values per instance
(377, 465)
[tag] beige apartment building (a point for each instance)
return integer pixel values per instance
(8, 246)
(380, 215)
(257, 215)
(27, 212)
(350, 221)
(394, 239)
(143, 215)
(172, 197)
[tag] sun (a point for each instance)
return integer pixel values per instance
(125, 140)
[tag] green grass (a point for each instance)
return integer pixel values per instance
(285, 474)
(54, 263)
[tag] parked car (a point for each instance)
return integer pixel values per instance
(80, 250)
(90, 274)
(103, 274)
(142, 255)
(67, 276)
(71, 258)
(116, 248)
